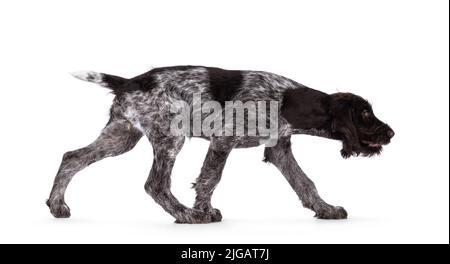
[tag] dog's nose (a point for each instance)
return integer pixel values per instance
(390, 133)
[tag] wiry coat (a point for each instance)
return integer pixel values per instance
(143, 106)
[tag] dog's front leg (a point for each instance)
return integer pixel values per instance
(281, 156)
(210, 175)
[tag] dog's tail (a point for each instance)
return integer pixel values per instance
(112, 82)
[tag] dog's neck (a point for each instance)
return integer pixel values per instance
(307, 112)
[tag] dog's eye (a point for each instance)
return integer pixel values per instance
(366, 113)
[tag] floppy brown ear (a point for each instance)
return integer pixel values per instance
(342, 125)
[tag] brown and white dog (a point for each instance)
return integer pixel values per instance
(144, 105)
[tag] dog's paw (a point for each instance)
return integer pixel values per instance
(216, 215)
(194, 216)
(58, 208)
(331, 212)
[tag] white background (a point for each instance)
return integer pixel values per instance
(395, 53)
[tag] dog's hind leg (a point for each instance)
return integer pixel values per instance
(118, 136)
(281, 156)
(165, 150)
(210, 175)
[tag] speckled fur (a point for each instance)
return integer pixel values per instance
(137, 112)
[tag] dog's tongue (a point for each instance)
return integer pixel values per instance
(375, 145)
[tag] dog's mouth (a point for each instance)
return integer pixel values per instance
(371, 148)
(373, 144)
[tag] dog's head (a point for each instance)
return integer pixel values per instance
(354, 122)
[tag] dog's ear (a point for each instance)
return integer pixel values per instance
(342, 124)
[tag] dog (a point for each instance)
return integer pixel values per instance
(143, 105)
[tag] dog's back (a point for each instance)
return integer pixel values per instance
(182, 81)
(148, 100)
